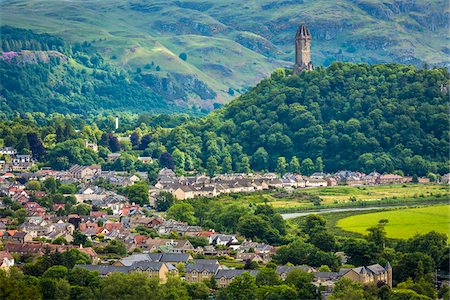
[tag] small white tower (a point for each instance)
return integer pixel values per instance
(117, 123)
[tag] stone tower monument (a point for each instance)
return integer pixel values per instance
(302, 50)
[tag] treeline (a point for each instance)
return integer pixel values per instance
(347, 116)
(73, 80)
(16, 39)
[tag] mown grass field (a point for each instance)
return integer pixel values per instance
(337, 196)
(403, 223)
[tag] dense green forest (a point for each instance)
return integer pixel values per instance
(39, 72)
(347, 116)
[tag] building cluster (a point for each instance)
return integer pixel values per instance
(11, 161)
(189, 187)
(160, 265)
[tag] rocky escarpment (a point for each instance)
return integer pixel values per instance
(176, 86)
(186, 25)
(32, 57)
(257, 44)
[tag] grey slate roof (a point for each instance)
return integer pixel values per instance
(174, 257)
(147, 265)
(230, 274)
(211, 268)
(105, 269)
(287, 269)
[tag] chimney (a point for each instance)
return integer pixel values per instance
(117, 122)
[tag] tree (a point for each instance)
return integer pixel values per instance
(260, 159)
(212, 166)
(319, 164)
(198, 290)
(135, 139)
(346, 288)
(56, 272)
(175, 289)
(137, 193)
(34, 185)
(36, 146)
(307, 167)
(241, 288)
(164, 201)
(117, 247)
(183, 212)
(179, 161)
(267, 276)
(50, 185)
(227, 165)
(302, 282)
(294, 165)
(166, 160)
(281, 166)
(113, 143)
(377, 235)
(183, 56)
(123, 286)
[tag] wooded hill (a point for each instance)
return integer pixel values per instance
(347, 116)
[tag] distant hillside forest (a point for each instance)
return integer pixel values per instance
(40, 73)
(347, 116)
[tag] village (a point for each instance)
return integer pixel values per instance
(156, 245)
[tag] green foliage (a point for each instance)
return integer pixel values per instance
(346, 288)
(137, 193)
(164, 201)
(355, 124)
(183, 212)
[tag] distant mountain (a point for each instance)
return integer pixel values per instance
(205, 52)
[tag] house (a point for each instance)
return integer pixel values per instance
(446, 178)
(113, 156)
(225, 276)
(184, 192)
(389, 178)
(199, 272)
(223, 239)
(315, 182)
(145, 159)
(26, 249)
(331, 181)
(251, 257)
(92, 146)
(155, 269)
(85, 172)
(8, 151)
(370, 274)
(19, 237)
(6, 260)
(283, 271)
(423, 180)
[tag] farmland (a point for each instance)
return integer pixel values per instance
(344, 196)
(403, 223)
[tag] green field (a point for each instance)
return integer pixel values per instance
(342, 196)
(403, 223)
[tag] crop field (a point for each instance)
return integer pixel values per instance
(302, 199)
(403, 223)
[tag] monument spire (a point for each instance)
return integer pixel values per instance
(302, 49)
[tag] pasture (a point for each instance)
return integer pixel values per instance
(403, 223)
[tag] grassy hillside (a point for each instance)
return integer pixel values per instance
(231, 45)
